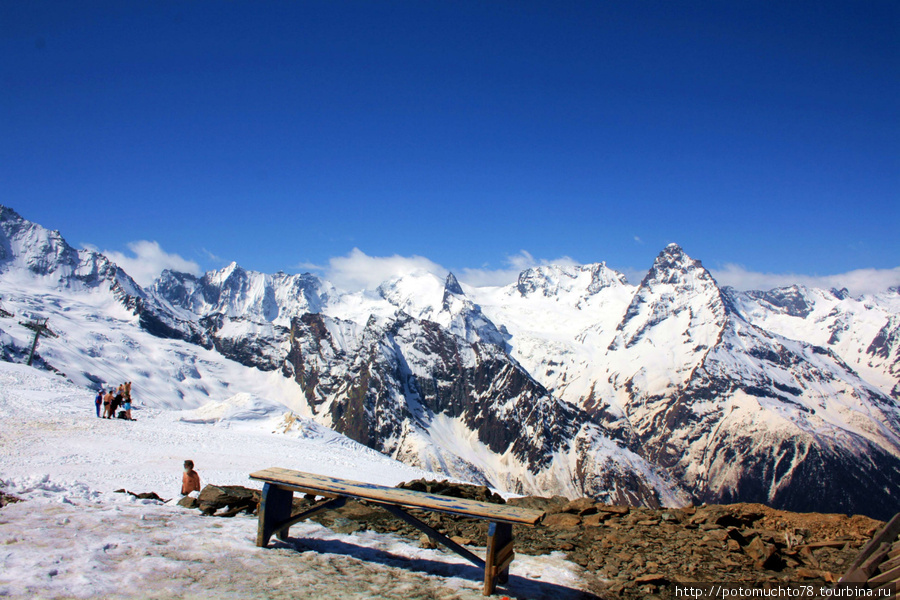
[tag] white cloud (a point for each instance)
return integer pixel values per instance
(358, 270)
(309, 266)
(860, 281)
(516, 263)
(213, 257)
(148, 260)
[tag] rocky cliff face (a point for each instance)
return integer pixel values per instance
(413, 390)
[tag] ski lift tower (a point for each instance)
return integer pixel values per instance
(39, 327)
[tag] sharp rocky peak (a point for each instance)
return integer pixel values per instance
(673, 265)
(451, 285)
(452, 290)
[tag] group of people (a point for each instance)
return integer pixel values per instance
(112, 400)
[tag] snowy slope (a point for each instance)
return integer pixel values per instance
(73, 537)
(864, 332)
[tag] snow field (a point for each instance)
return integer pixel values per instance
(73, 537)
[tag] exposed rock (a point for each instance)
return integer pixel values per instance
(7, 499)
(562, 521)
(462, 541)
(455, 490)
(581, 507)
(344, 525)
(595, 520)
(235, 497)
(610, 508)
(540, 503)
(189, 502)
(141, 496)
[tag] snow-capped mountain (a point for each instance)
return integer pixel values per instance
(568, 381)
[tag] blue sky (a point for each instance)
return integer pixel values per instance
(286, 134)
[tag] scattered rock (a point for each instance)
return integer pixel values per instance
(561, 521)
(611, 508)
(235, 497)
(7, 499)
(344, 525)
(455, 490)
(189, 502)
(462, 541)
(554, 504)
(581, 507)
(634, 553)
(595, 520)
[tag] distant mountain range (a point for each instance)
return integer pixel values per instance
(570, 381)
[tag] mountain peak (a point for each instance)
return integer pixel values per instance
(451, 286)
(580, 280)
(672, 265)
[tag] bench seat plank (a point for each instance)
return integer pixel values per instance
(325, 486)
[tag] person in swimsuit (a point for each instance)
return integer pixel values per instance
(190, 481)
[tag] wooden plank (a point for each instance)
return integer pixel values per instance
(504, 558)
(890, 564)
(885, 577)
(499, 537)
(895, 550)
(274, 507)
(324, 485)
(887, 534)
(872, 563)
(504, 552)
(504, 564)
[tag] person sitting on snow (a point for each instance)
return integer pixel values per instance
(190, 481)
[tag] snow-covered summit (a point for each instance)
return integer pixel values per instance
(29, 250)
(427, 297)
(558, 281)
(237, 292)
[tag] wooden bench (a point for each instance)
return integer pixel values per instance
(878, 564)
(280, 484)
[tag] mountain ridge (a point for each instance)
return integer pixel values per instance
(569, 380)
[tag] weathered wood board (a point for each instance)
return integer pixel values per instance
(329, 486)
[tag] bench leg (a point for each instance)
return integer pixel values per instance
(499, 555)
(274, 508)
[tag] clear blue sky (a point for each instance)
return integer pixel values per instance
(274, 133)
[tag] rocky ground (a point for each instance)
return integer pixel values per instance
(627, 552)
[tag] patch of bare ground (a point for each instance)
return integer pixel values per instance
(632, 553)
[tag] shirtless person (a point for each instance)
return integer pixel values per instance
(190, 481)
(107, 404)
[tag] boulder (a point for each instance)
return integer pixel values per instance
(581, 507)
(7, 499)
(234, 497)
(189, 502)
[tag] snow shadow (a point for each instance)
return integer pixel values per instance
(517, 588)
